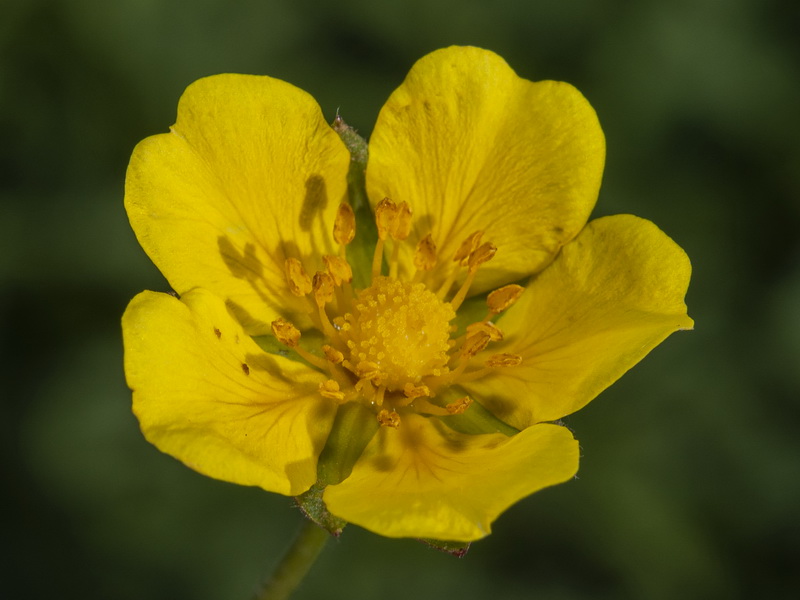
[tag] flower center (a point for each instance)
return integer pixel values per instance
(402, 328)
(389, 345)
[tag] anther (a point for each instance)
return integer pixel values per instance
(474, 344)
(344, 226)
(425, 256)
(323, 288)
(338, 268)
(385, 218)
(504, 360)
(402, 226)
(467, 247)
(389, 419)
(371, 372)
(297, 278)
(500, 299)
(484, 253)
(332, 354)
(495, 335)
(415, 391)
(285, 332)
(330, 389)
(459, 406)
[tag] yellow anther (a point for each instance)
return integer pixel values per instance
(385, 218)
(338, 268)
(459, 406)
(344, 227)
(425, 256)
(330, 389)
(467, 247)
(389, 419)
(332, 354)
(286, 333)
(416, 391)
(475, 343)
(402, 225)
(371, 372)
(495, 335)
(503, 297)
(504, 360)
(297, 278)
(367, 369)
(323, 288)
(484, 253)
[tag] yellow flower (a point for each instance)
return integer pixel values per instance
(418, 382)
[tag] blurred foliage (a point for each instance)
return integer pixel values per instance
(690, 480)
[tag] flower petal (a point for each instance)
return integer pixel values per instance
(426, 480)
(611, 296)
(472, 146)
(206, 394)
(250, 174)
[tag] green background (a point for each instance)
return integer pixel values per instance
(690, 478)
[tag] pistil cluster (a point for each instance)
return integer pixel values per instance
(391, 345)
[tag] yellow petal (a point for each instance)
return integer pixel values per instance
(206, 394)
(611, 296)
(249, 175)
(472, 146)
(425, 480)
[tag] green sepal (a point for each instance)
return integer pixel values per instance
(353, 428)
(360, 251)
(314, 508)
(457, 549)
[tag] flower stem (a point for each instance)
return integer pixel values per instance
(295, 563)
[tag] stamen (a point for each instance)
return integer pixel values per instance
(286, 333)
(416, 391)
(385, 218)
(424, 406)
(473, 269)
(425, 256)
(323, 288)
(377, 259)
(462, 292)
(487, 326)
(323, 293)
(339, 269)
(381, 392)
(371, 372)
(484, 253)
(389, 419)
(474, 344)
(500, 299)
(494, 361)
(402, 225)
(459, 406)
(504, 359)
(344, 226)
(330, 389)
(297, 278)
(400, 231)
(471, 254)
(365, 388)
(289, 335)
(467, 247)
(332, 354)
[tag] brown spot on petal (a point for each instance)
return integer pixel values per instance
(246, 369)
